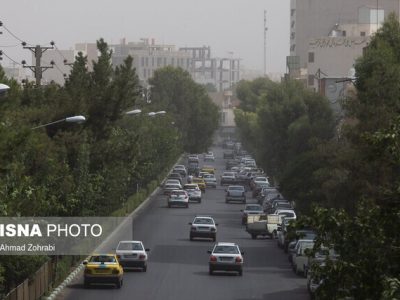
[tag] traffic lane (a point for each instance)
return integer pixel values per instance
(178, 268)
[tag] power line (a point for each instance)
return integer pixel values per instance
(9, 46)
(37, 69)
(9, 31)
(10, 58)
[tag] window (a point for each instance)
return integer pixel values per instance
(310, 57)
(159, 60)
(165, 61)
(292, 24)
(362, 33)
(172, 61)
(344, 33)
(152, 61)
(147, 61)
(293, 35)
(142, 61)
(292, 12)
(310, 80)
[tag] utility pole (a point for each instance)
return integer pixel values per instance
(37, 69)
(265, 42)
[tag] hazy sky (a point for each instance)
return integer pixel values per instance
(224, 25)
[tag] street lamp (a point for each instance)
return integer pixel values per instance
(134, 112)
(152, 113)
(74, 119)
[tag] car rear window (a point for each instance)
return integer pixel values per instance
(226, 249)
(103, 259)
(236, 188)
(253, 207)
(130, 246)
(203, 221)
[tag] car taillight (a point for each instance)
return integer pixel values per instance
(142, 256)
(115, 271)
(213, 258)
(238, 259)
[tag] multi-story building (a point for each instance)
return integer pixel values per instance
(59, 69)
(223, 72)
(149, 56)
(326, 38)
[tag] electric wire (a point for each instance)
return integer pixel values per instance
(11, 58)
(16, 37)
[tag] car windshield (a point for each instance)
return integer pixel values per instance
(208, 176)
(203, 221)
(197, 180)
(190, 187)
(287, 214)
(253, 207)
(229, 174)
(130, 246)
(226, 249)
(172, 186)
(102, 259)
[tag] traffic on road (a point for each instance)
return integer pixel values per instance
(198, 233)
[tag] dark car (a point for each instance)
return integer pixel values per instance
(229, 154)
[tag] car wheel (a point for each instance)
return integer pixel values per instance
(254, 236)
(214, 238)
(145, 268)
(191, 238)
(86, 284)
(210, 271)
(119, 284)
(187, 206)
(169, 205)
(240, 272)
(199, 201)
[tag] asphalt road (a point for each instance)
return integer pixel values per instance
(178, 268)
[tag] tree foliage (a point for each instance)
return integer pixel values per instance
(90, 169)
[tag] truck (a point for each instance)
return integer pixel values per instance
(262, 224)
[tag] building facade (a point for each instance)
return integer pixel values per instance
(149, 56)
(327, 36)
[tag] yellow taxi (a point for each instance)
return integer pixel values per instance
(200, 182)
(103, 268)
(208, 169)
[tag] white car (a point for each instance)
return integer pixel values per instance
(300, 258)
(226, 257)
(178, 198)
(210, 180)
(193, 191)
(286, 213)
(181, 169)
(203, 227)
(209, 156)
(132, 254)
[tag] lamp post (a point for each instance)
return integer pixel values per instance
(134, 112)
(74, 119)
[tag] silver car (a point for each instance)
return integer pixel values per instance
(203, 227)
(193, 191)
(210, 180)
(226, 257)
(132, 254)
(235, 193)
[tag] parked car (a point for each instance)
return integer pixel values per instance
(300, 257)
(258, 180)
(203, 227)
(193, 191)
(210, 180)
(228, 178)
(226, 257)
(235, 193)
(193, 158)
(178, 198)
(103, 269)
(251, 209)
(132, 254)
